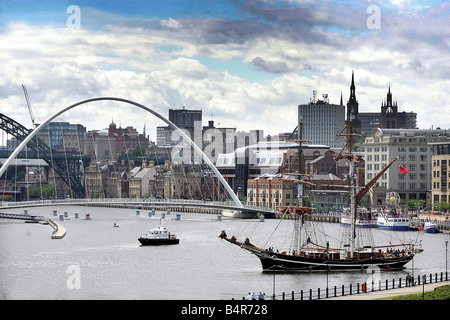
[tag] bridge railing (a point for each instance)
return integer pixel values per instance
(231, 205)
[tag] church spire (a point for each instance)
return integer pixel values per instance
(352, 98)
(341, 99)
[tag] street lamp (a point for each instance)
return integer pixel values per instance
(446, 244)
(424, 278)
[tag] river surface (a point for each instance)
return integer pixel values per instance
(98, 261)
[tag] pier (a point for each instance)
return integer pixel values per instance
(58, 233)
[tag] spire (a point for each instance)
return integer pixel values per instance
(352, 86)
(341, 99)
(352, 98)
(389, 96)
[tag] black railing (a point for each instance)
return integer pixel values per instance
(338, 291)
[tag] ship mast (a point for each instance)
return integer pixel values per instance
(353, 159)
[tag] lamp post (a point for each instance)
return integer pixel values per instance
(424, 278)
(446, 244)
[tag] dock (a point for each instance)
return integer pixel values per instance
(58, 230)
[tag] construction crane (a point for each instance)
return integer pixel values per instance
(29, 105)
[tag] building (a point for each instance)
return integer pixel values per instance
(271, 191)
(440, 179)
(353, 108)
(412, 148)
(389, 117)
(142, 182)
(102, 180)
(329, 193)
(100, 145)
(184, 119)
(127, 138)
(64, 137)
(322, 121)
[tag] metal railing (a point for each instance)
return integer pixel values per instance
(359, 288)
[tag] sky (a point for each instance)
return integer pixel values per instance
(246, 64)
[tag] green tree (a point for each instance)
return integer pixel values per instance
(48, 190)
(139, 151)
(415, 204)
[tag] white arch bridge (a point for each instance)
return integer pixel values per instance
(236, 209)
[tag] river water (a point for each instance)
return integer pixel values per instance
(98, 261)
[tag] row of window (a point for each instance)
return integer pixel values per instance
(400, 149)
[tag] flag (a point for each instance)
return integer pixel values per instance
(403, 169)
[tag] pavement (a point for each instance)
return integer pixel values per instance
(390, 293)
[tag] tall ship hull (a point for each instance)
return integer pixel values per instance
(279, 262)
(331, 260)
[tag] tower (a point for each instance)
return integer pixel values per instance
(352, 108)
(389, 112)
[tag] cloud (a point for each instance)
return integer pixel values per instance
(170, 23)
(157, 62)
(271, 67)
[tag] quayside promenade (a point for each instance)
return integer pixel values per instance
(373, 295)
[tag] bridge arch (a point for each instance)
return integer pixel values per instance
(171, 124)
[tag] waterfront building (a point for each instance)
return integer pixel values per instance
(412, 148)
(440, 179)
(142, 182)
(329, 193)
(271, 191)
(102, 180)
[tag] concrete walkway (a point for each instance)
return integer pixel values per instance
(391, 293)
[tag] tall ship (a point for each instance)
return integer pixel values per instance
(352, 251)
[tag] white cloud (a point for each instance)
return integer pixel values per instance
(161, 68)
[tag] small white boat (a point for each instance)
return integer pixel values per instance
(393, 217)
(158, 236)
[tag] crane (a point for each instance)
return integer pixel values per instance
(29, 105)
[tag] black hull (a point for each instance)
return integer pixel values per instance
(158, 242)
(280, 262)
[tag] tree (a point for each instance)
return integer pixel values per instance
(48, 190)
(415, 204)
(139, 151)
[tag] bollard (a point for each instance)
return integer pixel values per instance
(66, 214)
(61, 217)
(168, 211)
(138, 212)
(219, 217)
(153, 212)
(261, 218)
(178, 216)
(88, 216)
(25, 211)
(55, 213)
